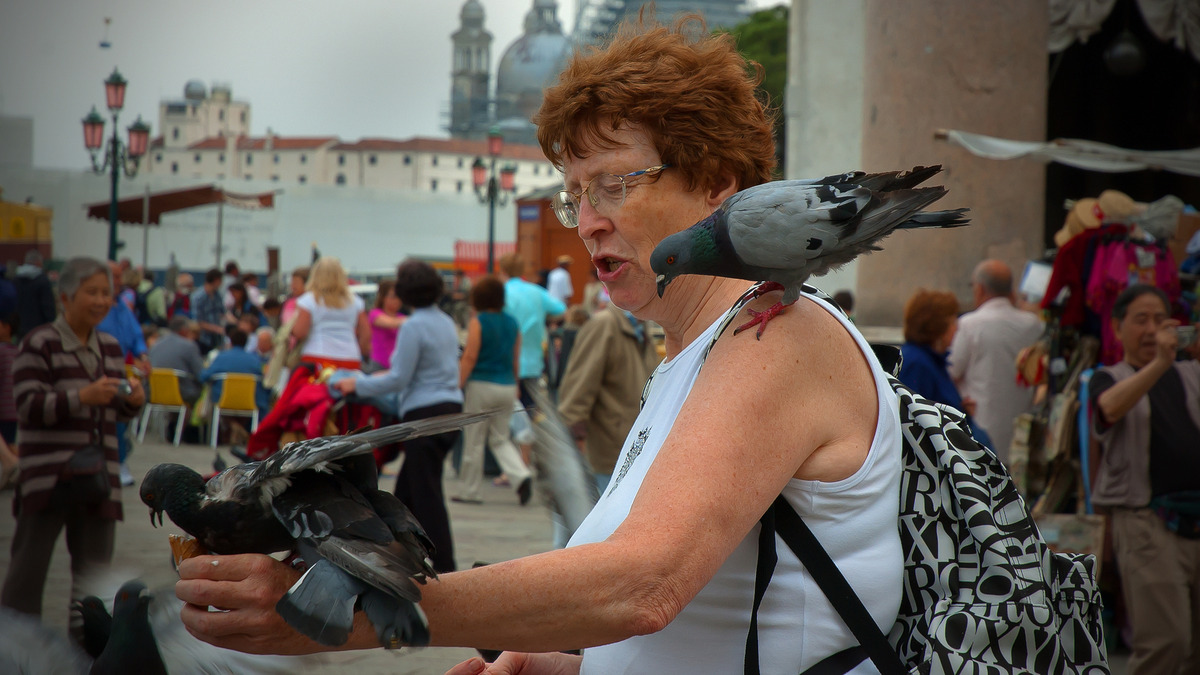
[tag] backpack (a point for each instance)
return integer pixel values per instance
(983, 593)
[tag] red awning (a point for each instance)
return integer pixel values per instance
(132, 209)
(471, 256)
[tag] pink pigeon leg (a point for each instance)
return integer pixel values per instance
(761, 318)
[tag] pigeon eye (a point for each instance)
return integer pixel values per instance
(670, 260)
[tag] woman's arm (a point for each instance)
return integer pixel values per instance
(517, 362)
(470, 355)
(362, 330)
(799, 403)
(385, 320)
(303, 324)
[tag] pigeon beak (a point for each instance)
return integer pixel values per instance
(662, 283)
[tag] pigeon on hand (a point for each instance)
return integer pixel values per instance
(318, 498)
(783, 232)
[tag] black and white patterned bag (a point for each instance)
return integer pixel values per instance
(983, 592)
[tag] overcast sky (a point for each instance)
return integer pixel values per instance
(348, 68)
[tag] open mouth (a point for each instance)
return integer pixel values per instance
(609, 265)
(154, 513)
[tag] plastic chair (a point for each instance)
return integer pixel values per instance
(237, 398)
(164, 397)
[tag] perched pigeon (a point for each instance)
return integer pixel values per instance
(131, 647)
(319, 498)
(786, 231)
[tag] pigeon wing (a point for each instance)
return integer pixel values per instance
(786, 224)
(316, 453)
(342, 526)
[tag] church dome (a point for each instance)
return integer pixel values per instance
(472, 10)
(195, 90)
(532, 63)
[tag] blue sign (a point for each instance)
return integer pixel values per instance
(529, 212)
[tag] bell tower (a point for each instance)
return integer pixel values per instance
(469, 80)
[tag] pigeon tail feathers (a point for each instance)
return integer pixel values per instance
(321, 604)
(397, 622)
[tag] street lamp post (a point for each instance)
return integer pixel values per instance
(118, 156)
(489, 191)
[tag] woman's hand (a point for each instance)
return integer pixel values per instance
(137, 394)
(100, 392)
(518, 663)
(346, 386)
(244, 589)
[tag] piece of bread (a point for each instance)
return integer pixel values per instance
(184, 546)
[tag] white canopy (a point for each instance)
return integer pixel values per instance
(1173, 21)
(1078, 153)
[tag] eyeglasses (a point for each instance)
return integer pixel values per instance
(606, 193)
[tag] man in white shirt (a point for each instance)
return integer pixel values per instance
(984, 352)
(558, 283)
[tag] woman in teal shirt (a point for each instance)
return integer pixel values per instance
(488, 375)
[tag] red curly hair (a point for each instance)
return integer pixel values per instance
(689, 90)
(928, 314)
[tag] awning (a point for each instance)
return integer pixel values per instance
(471, 256)
(1081, 154)
(131, 210)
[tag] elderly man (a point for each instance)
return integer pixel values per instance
(177, 350)
(1147, 419)
(984, 351)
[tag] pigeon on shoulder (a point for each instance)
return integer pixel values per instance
(320, 499)
(783, 232)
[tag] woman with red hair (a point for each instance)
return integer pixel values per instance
(653, 132)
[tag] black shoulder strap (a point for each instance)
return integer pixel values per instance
(795, 533)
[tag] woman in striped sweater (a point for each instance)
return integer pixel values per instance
(69, 394)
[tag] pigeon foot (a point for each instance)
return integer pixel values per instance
(760, 319)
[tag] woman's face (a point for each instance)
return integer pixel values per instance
(91, 302)
(297, 285)
(620, 245)
(391, 302)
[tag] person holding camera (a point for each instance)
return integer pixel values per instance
(71, 391)
(1146, 415)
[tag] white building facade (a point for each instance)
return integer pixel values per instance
(206, 137)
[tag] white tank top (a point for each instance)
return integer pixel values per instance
(855, 519)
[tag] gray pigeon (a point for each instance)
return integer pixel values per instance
(131, 647)
(318, 498)
(783, 232)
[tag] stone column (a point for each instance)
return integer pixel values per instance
(959, 64)
(825, 99)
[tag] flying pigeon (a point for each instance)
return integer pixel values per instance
(783, 232)
(318, 498)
